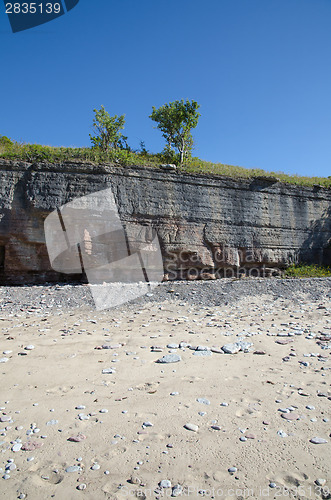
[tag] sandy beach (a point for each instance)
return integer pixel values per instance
(89, 410)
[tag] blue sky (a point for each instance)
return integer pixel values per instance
(260, 70)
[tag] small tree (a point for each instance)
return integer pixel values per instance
(176, 120)
(108, 129)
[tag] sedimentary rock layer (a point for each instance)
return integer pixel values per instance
(208, 226)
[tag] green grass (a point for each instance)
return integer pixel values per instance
(33, 153)
(308, 271)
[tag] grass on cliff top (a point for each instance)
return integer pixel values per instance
(308, 271)
(33, 153)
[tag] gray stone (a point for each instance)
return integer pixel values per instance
(203, 401)
(176, 490)
(52, 422)
(202, 353)
(108, 370)
(169, 358)
(165, 483)
(191, 427)
(231, 348)
(16, 447)
(318, 440)
(73, 468)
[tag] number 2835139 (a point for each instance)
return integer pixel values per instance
(33, 8)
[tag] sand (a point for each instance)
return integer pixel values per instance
(246, 393)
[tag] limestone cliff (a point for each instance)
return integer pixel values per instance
(208, 226)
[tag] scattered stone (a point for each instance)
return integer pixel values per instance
(165, 483)
(29, 347)
(5, 418)
(203, 401)
(16, 447)
(176, 490)
(290, 416)
(318, 440)
(191, 427)
(31, 445)
(77, 438)
(81, 486)
(202, 353)
(4, 360)
(169, 358)
(52, 422)
(73, 468)
(216, 427)
(272, 485)
(320, 482)
(231, 348)
(232, 470)
(108, 370)
(95, 467)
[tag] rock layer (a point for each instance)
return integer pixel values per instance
(208, 226)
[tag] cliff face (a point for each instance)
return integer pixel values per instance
(208, 226)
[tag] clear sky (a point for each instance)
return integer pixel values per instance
(260, 70)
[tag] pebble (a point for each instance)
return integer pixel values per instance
(52, 422)
(73, 468)
(320, 482)
(77, 438)
(95, 467)
(108, 370)
(80, 407)
(318, 440)
(148, 424)
(290, 416)
(232, 470)
(165, 483)
(281, 433)
(169, 358)
(6, 476)
(216, 427)
(4, 360)
(231, 348)
(104, 410)
(11, 466)
(224, 404)
(176, 490)
(29, 347)
(191, 427)
(202, 353)
(16, 447)
(31, 445)
(5, 418)
(272, 485)
(203, 401)
(81, 486)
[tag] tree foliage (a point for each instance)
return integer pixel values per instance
(176, 120)
(108, 130)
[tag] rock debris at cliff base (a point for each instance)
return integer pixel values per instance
(86, 409)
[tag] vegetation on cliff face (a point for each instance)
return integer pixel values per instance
(308, 271)
(33, 153)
